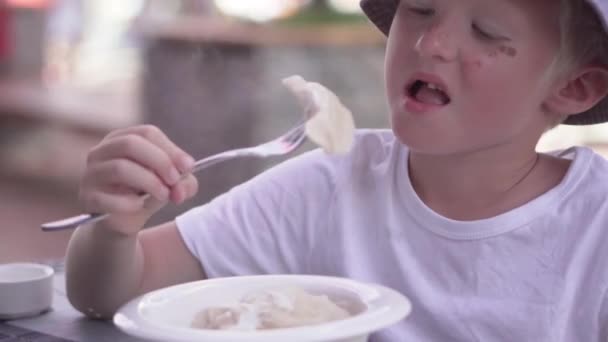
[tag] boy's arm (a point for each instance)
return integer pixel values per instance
(114, 260)
(105, 269)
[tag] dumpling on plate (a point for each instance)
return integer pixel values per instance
(272, 309)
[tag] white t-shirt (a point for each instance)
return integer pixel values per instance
(536, 273)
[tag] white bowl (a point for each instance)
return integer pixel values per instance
(166, 314)
(25, 290)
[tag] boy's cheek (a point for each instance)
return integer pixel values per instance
(479, 61)
(488, 76)
(473, 65)
(498, 58)
(508, 51)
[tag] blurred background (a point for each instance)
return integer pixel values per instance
(207, 72)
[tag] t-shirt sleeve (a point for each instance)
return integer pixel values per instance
(266, 225)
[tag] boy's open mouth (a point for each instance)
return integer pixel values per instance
(428, 93)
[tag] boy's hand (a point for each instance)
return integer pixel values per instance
(127, 163)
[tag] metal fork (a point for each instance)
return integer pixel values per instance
(284, 144)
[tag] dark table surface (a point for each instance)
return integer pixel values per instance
(61, 323)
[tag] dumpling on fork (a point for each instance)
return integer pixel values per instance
(331, 124)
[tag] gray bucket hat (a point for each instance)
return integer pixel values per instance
(381, 13)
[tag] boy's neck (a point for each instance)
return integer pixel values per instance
(483, 184)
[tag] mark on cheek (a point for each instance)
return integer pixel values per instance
(475, 64)
(507, 50)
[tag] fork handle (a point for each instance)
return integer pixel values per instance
(72, 222)
(75, 221)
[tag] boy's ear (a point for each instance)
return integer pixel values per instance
(580, 92)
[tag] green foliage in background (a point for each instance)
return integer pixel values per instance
(320, 13)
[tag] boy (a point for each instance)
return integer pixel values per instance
(491, 240)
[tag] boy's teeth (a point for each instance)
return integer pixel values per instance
(431, 94)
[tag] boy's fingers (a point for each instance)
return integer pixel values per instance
(191, 185)
(182, 160)
(102, 202)
(127, 174)
(185, 189)
(139, 150)
(127, 131)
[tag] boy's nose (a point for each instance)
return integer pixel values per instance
(437, 42)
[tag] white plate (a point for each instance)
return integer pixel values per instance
(166, 314)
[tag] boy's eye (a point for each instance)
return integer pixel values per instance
(483, 34)
(425, 12)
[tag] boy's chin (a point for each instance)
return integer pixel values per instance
(416, 142)
(426, 143)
